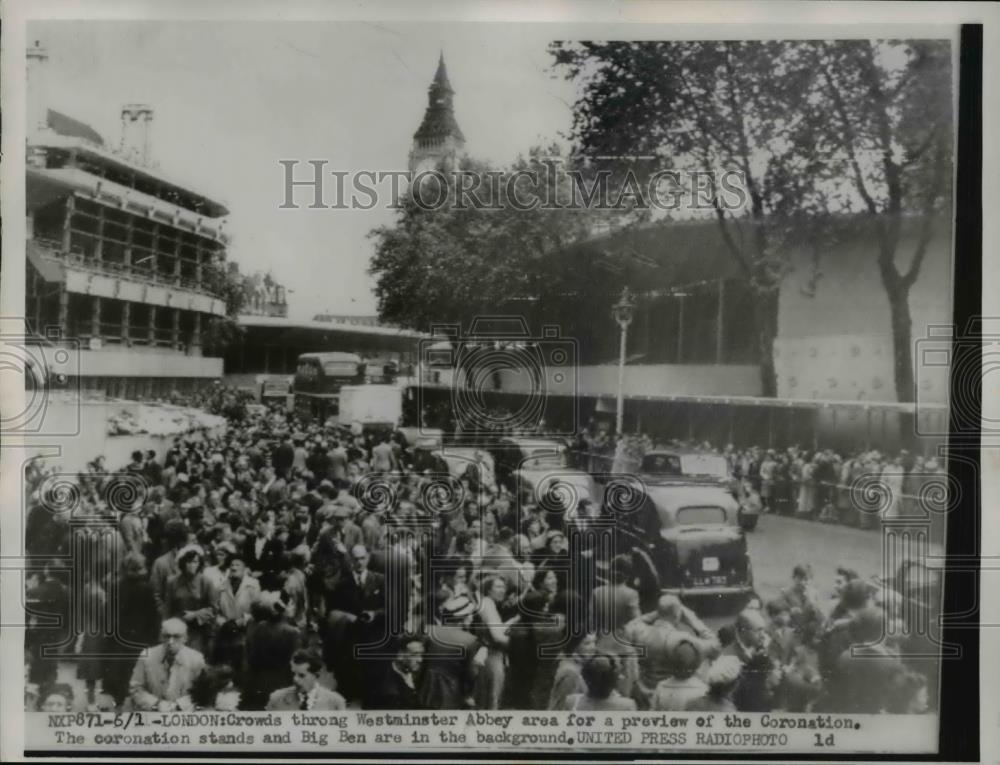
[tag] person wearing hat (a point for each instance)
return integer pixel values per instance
(450, 648)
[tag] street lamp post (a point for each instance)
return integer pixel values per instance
(622, 312)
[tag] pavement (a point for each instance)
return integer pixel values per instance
(780, 542)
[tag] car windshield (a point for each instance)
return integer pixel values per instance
(704, 464)
(544, 458)
(691, 516)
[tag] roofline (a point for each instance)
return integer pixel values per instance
(329, 355)
(789, 403)
(280, 322)
(707, 222)
(52, 139)
(77, 180)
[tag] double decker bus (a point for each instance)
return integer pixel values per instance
(318, 380)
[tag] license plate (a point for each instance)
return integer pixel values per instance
(709, 581)
(709, 564)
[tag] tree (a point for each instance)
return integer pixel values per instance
(813, 128)
(449, 263)
(221, 332)
(881, 114)
(708, 108)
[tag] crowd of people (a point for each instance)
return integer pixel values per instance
(855, 489)
(298, 565)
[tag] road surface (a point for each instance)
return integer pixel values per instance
(780, 542)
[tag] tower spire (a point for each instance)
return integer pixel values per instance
(438, 140)
(441, 76)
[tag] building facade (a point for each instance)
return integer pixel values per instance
(125, 265)
(692, 360)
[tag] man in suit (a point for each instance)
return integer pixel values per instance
(330, 553)
(264, 554)
(305, 693)
(356, 608)
(165, 566)
(162, 679)
(152, 469)
(283, 458)
(397, 688)
(760, 675)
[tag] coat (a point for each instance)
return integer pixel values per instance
(754, 691)
(447, 667)
(612, 607)
(390, 691)
(151, 682)
(269, 563)
(163, 568)
(347, 596)
(270, 646)
(133, 533)
(234, 606)
(138, 619)
(286, 699)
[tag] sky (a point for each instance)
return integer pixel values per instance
(231, 99)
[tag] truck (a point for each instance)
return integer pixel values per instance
(373, 406)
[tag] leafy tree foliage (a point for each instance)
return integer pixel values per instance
(451, 262)
(817, 131)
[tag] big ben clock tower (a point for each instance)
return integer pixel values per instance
(438, 141)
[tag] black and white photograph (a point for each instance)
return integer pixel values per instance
(410, 385)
